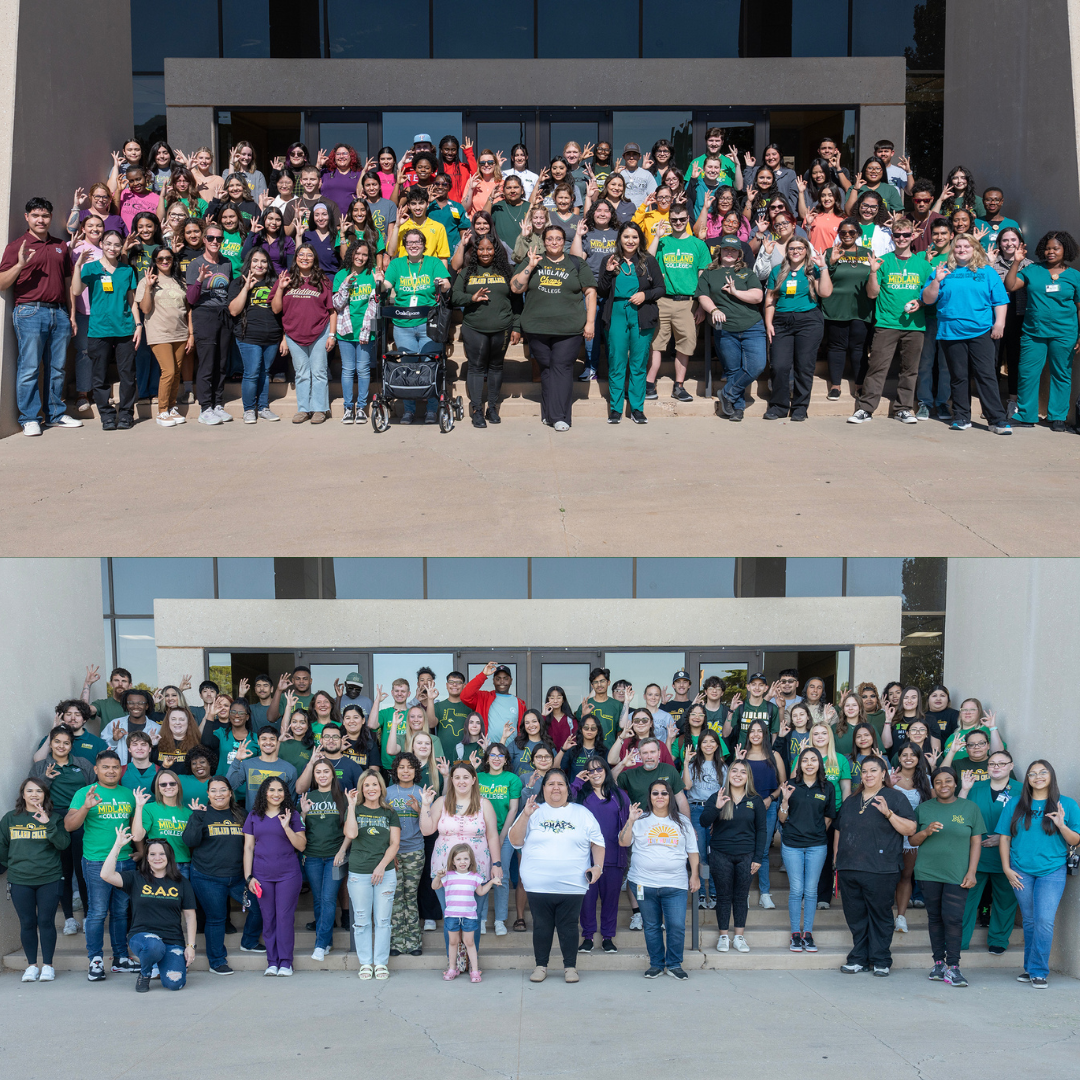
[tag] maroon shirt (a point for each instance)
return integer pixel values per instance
(305, 311)
(43, 278)
(922, 241)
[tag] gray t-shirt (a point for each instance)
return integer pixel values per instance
(398, 798)
(598, 245)
(383, 214)
(252, 771)
(639, 185)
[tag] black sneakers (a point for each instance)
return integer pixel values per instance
(222, 969)
(586, 945)
(124, 965)
(678, 392)
(142, 984)
(96, 971)
(609, 945)
(613, 416)
(650, 391)
(654, 973)
(638, 416)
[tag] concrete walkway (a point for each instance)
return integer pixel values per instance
(688, 485)
(813, 1025)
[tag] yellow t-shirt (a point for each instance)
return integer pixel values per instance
(435, 244)
(647, 219)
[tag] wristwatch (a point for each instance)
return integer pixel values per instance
(498, 864)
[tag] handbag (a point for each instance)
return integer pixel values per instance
(438, 321)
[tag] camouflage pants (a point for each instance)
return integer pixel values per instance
(405, 921)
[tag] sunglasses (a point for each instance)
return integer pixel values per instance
(213, 239)
(902, 235)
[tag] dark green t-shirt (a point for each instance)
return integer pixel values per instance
(373, 838)
(450, 719)
(681, 260)
(30, 849)
(1051, 302)
(325, 832)
(607, 714)
(746, 714)
(944, 855)
(488, 316)
(848, 299)
(738, 315)
(553, 297)
(635, 782)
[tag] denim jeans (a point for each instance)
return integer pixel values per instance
(372, 907)
(147, 370)
(310, 365)
(663, 911)
(151, 950)
(213, 894)
(105, 899)
(770, 830)
(708, 886)
(1038, 902)
(803, 866)
(414, 339)
(255, 389)
(931, 354)
(84, 366)
(356, 358)
(743, 356)
(324, 889)
(501, 892)
(43, 334)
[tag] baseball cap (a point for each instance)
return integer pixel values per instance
(422, 137)
(631, 148)
(757, 675)
(503, 667)
(353, 679)
(680, 674)
(731, 242)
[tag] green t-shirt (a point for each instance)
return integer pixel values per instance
(991, 803)
(117, 807)
(944, 855)
(977, 769)
(841, 771)
(635, 782)
(848, 299)
(110, 312)
(877, 721)
(295, 753)
(607, 714)
(414, 285)
(325, 832)
(386, 717)
(196, 789)
(1051, 304)
(794, 290)
(499, 789)
(167, 823)
(363, 285)
(738, 315)
(681, 260)
(889, 193)
(727, 169)
(900, 281)
(63, 787)
(553, 297)
(746, 713)
(231, 245)
(956, 202)
(31, 849)
(450, 719)
(452, 218)
(845, 743)
(373, 838)
(109, 709)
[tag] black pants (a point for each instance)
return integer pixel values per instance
(731, 875)
(974, 360)
(102, 352)
(847, 341)
(213, 346)
(555, 357)
(825, 878)
(485, 353)
(868, 901)
(426, 899)
(36, 908)
(71, 863)
(1008, 348)
(555, 912)
(945, 919)
(796, 337)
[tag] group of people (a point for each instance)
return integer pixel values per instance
(401, 810)
(181, 277)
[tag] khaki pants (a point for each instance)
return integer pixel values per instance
(881, 356)
(170, 356)
(676, 317)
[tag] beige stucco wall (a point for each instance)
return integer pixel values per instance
(51, 631)
(1012, 639)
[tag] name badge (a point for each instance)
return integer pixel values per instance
(791, 287)
(1053, 288)
(106, 284)
(412, 302)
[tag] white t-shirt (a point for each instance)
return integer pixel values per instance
(659, 852)
(558, 849)
(120, 745)
(527, 177)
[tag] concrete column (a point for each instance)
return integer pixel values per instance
(880, 122)
(1012, 639)
(879, 664)
(192, 127)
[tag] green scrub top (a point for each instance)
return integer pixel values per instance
(794, 290)
(1051, 304)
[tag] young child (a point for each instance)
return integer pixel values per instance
(472, 738)
(462, 884)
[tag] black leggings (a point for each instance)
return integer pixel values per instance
(213, 347)
(555, 357)
(847, 341)
(731, 875)
(485, 353)
(551, 912)
(945, 919)
(36, 906)
(71, 861)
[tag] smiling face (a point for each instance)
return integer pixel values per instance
(531, 723)
(737, 774)
(177, 721)
(421, 746)
(219, 793)
(371, 790)
(918, 732)
(808, 763)
(305, 261)
(323, 775)
(275, 794)
(944, 786)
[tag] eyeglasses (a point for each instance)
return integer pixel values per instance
(496, 753)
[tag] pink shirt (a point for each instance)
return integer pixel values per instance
(132, 204)
(460, 892)
(388, 182)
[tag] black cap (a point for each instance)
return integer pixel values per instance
(681, 674)
(503, 667)
(757, 675)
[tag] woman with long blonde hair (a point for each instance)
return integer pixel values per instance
(838, 773)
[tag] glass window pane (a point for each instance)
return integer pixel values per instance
(245, 25)
(762, 577)
(219, 664)
(843, 672)
(500, 136)
(135, 650)
(558, 579)
(500, 29)
(354, 135)
(391, 666)
(573, 678)
(815, 577)
(464, 579)
(902, 27)
(398, 128)
(569, 28)
(875, 577)
(368, 28)
(666, 23)
(474, 669)
(160, 30)
(379, 579)
(924, 584)
(645, 127)
(245, 579)
(678, 578)
(563, 131)
(106, 607)
(819, 27)
(734, 676)
(137, 582)
(642, 668)
(922, 650)
(110, 660)
(323, 676)
(148, 95)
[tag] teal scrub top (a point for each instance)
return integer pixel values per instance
(794, 290)
(1051, 305)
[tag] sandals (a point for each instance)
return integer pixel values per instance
(450, 974)
(382, 972)
(474, 976)
(519, 924)
(366, 971)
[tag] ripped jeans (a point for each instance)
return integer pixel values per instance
(151, 950)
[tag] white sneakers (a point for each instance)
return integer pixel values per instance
(174, 415)
(250, 417)
(500, 928)
(900, 924)
(32, 428)
(766, 901)
(165, 420)
(429, 924)
(561, 425)
(208, 416)
(483, 927)
(70, 927)
(266, 414)
(860, 416)
(271, 970)
(740, 943)
(635, 921)
(318, 954)
(66, 421)
(284, 971)
(31, 973)
(225, 417)
(46, 973)
(723, 943)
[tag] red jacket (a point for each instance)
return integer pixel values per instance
(481, 700)
(459, 173)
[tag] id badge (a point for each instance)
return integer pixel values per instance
(1053, 288)
(640, 892)
(412, 302)
(791, 286)
(106, 284)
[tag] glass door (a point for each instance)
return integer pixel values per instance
(733, 666)
(560, 126)
(330, 666)
(746, 129)
(568, 668)
(500, 129)
(470, 663)
(360, 129)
